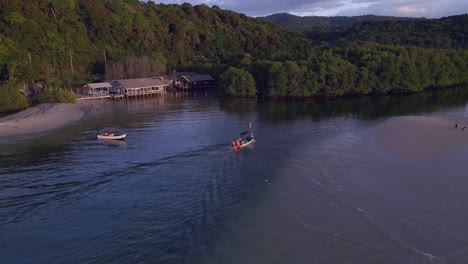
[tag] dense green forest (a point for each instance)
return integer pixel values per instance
(67, 43)
(447, 32)
(73, 40)
(321, 23)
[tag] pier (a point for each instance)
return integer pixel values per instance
(125, 88)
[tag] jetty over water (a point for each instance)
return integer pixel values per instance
(125, 88)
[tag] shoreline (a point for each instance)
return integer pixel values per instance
(44, 118)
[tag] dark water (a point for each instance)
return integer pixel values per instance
(314, 188)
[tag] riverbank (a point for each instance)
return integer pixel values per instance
(422, 137)
(44, 117)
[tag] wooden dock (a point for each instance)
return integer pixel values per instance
(129, 94)
(93, 97)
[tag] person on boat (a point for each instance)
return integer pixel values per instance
(236, 144)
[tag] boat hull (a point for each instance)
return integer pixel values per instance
(245, 145)
(115, 137)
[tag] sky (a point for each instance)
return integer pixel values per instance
(401, 8)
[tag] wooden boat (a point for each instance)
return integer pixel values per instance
(245, 139)
(247, 143)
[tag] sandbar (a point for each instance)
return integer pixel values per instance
(42, 118)
(422, 136)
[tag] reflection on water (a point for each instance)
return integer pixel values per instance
(313, 188)
(113, 142)
(363, 108)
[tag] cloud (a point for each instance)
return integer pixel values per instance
(411, 8)
(407, 8)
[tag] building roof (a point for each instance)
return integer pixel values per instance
(198, 78)
(186, 73)
(141, 83)
(99, 85)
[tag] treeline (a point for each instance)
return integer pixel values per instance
(321, 23)
(14, 96)
(359, 68)
(443, 33)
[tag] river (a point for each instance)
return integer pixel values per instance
(314, 188)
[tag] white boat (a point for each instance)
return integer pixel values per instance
(112, 136)
(111, 133)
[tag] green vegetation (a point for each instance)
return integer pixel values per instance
(66, 43)
(444, 33)
(321, 23)
(11, 98)
(56, 95)
(361, 68)
(238, 82)
(75, 40)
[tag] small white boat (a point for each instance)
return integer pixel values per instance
(111, 133)
(111, 136)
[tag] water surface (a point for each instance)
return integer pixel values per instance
(314, 188)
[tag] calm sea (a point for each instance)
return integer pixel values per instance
(314, 188)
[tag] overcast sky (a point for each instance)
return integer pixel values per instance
(406, 8)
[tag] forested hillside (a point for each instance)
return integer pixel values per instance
(443, 33)
(72, 40)
(66, 43)
(361, 68)
(321, 23)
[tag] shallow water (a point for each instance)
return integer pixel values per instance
(314, 188)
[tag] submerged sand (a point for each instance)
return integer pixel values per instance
(43, 118)
(422, 136)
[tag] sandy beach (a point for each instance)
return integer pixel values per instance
(422, 137)
(43, 118)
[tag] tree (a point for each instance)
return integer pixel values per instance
(56, 95)
(135, 67)
(238, 82)
(11, 98)
(278, 81)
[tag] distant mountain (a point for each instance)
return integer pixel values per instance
(307, 23)
(447, 32)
